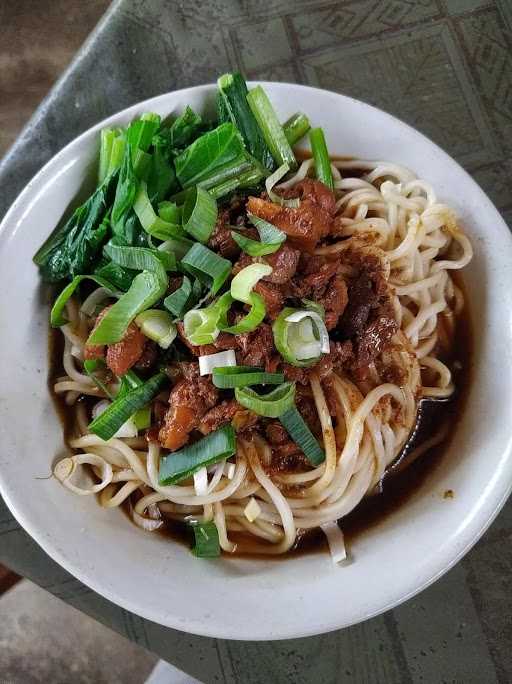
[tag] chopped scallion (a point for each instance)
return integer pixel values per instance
(298, 430)
(182, 464)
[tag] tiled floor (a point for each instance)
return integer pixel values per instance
(41, 638)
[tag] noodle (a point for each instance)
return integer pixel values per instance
(383, 211)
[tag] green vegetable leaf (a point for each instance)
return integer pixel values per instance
(71, 249)
(214, 157)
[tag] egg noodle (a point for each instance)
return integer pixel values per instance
(384, 211)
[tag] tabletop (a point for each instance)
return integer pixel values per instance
(445, 67)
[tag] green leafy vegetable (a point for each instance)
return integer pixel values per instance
(121, 278)
(71, 249)
(233, 93)
(182, 464)
(141, 131)
(181, 133)
(213, 158)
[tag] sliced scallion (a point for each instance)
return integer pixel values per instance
(56, 316)
(321, 157)
(91, 367)
(184, 298)
(270, 236)
(244, 281)
(271, 405)
(182, 464)
(109, 422)
(206, 537)
(229, 377)
(298, 430)
(202, 326)
(146, 289)
(178, 246)
(293, 202)
(296, 127)
(252, 320)
(158, 326)
(210, 268)
(199, 214)
(270, 127)
(153, 224)
(170, 212)
(300, 336)
(140, 258)
(253, 247)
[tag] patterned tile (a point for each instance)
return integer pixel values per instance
(287, 72)
(495, 180)
(488, 48)
(418, 77)
(460, 6)
(248, 39)
(356, 20)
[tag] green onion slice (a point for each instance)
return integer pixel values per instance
(158, 326)
(210, 268)
(270, 236)
(271, 405)
(182, 464)
(140, 258)
(300, 336)
(206, 538)
(253, 247)
(107, 137)
(91, 366)
(314, 306)
(178, 300)
(170, 212)
(252, 320)
(152, 223)
(298, 430)
(270, 127)
(177, 246)
(229, 377)
(146, 289)
(321, 157)
(292, 203)
(56, 316)
(244, 282)
(108, 423)
(296, 127)
(199, 214)
(202, 326)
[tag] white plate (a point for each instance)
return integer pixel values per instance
(248, 599)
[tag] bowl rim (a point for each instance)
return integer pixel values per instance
(446, 561)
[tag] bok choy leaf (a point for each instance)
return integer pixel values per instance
(71, 249)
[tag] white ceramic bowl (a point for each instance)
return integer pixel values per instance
(253, 599)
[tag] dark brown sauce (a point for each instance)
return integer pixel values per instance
(397, 490)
